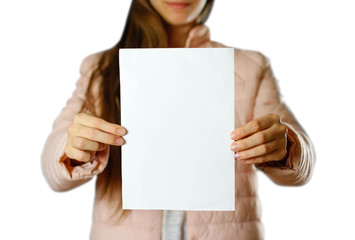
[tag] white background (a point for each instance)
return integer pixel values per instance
(311, 47)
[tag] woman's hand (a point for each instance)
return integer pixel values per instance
(88, 134)
(260, 140)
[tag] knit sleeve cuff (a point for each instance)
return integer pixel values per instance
(84, 170)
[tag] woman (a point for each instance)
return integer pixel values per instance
(87, 137)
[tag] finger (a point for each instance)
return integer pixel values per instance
(98, 123)
(260, 150)
(273, 156)
(86, 144)
(254, 140)
(96, 135)
(79, 155)
(252, 127)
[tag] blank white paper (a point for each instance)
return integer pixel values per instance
(177, 105)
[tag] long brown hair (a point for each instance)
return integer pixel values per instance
(144, 29)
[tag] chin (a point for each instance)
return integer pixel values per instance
(178, 21)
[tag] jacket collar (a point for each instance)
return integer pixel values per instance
(197, 35)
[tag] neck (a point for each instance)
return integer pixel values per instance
(177, 35)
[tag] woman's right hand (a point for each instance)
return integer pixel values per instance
(88, 134)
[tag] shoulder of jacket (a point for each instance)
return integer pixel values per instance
(90, 62)
(252, 57)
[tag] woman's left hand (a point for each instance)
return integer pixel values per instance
(261, 140)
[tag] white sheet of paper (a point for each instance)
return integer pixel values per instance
(177, 105)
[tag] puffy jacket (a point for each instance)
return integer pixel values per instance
(256, 94)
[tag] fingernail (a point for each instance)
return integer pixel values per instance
(234, 147)
(237, 155)
(233, 135)
(119, 140)
(120, 131)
